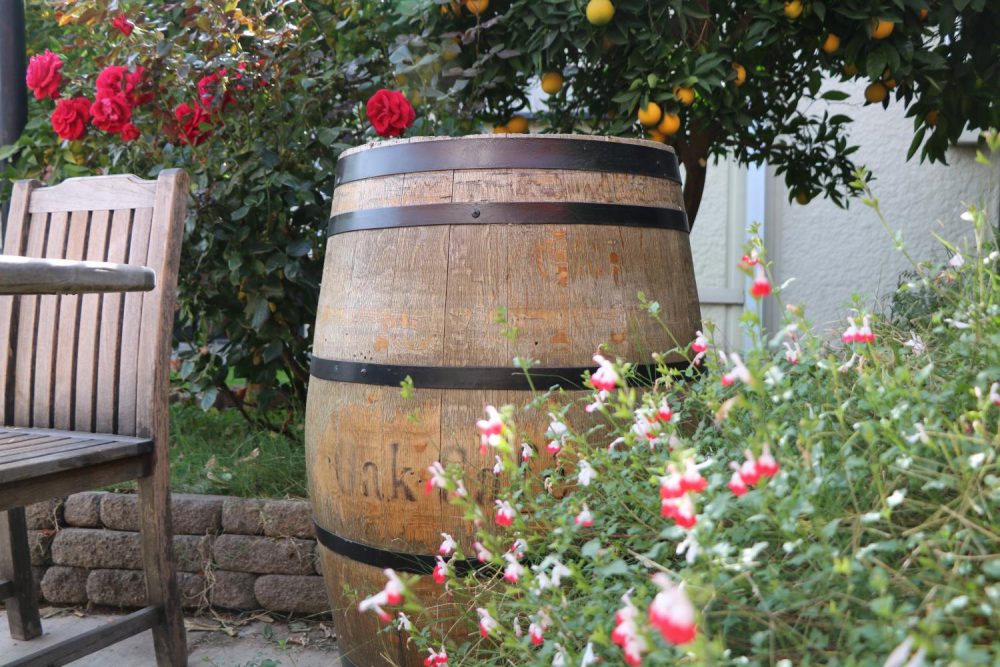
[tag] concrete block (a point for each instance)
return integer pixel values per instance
(264, 555)
(83, 510)
(243, 516)
(298, 594)
(40, 545)
(190, 514)
(45, 515)
(65, 585)
(233, 590)
(288, 518)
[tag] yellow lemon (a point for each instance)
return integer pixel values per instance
(850, 69)
(876, 92)
(600, 12)
(831, 43)
(552, 82)
(802, 198)
(501, 129)
(931, 118)
(684, 95)
(669, 125)
(518, 125)
(477, 7)
(649, 115)
(741, 74)
(887, 79)
(452, 7)
(793, 9)
(924, 13)
(882, 28)
(656, 135)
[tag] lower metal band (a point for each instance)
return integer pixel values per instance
(383, 558)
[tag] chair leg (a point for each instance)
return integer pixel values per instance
(169, 637)
(15, 566)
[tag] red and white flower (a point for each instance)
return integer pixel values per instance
(505, 513)
(681, 510)
(512, 573)
(748, 470)
(537, 634)
(482, 553)
(792, 352)
(671, 485)
(626, 633)
(487, 624)
(437, 479)
(605, 378)
(736, 483)
(692, 480)
(671, 612)
(440, 571)
(586, 474)
(738, 372)
(767, 466)
(865, 334)
(498, 466)
(490, 429)
(519, 548)
(752, 259)
(584, 518)
(699, 347)
(850, 334)
(436, 658)
(995, 393)
(556, 433)
(391, 594)
(526, 452)
(761, 286)
(448, 545)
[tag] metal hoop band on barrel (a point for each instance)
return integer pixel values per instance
(468, 377)
(508, 153)
(511, 213)
(383, 558)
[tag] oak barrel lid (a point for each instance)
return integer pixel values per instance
(508, 151)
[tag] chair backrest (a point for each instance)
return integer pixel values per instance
(93, 362)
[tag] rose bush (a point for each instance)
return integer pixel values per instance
(805, 502)
(256, 102)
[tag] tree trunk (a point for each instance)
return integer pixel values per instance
(693, 153)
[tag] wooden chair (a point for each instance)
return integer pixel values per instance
(83, 389)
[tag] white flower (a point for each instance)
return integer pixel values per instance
(586, 474)
(896, 498)
(920, 435)
(403, 622)
(976, 460)
(588, 656)
(956, 260)
(957, 323)
(916, 344)
(967, 216)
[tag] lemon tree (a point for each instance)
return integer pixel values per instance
(735, 78)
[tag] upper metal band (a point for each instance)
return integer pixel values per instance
(464, 377)
(517, 213)
(508, 153)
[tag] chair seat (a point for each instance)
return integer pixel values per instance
(30, 453)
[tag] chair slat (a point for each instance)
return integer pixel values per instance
(106, 393)
(90, 324)
(94, 193)
(50, 445)
(13, 244)
(132, 320)
(48, 318)
(67, 330)
(27, 321)
(86, 454)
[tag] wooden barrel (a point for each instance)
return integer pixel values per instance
(428, 238)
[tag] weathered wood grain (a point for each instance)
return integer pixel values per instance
(26, 275)
(429, 296)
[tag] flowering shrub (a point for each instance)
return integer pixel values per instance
(256, 103)
(806, 502)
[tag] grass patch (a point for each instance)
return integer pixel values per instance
(219, 452)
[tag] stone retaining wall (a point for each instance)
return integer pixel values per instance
(232, 553)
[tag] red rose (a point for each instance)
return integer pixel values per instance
(209, 91)
(190, 119)
(123, 24)
(44, 76)
(69, 120)
(111, 113)
(390, 113)
(129, 133)
(117, 80)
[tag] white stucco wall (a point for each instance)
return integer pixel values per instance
(833, 253)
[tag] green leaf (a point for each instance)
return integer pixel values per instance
(835, 95)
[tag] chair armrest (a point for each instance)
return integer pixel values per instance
(28, 275)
